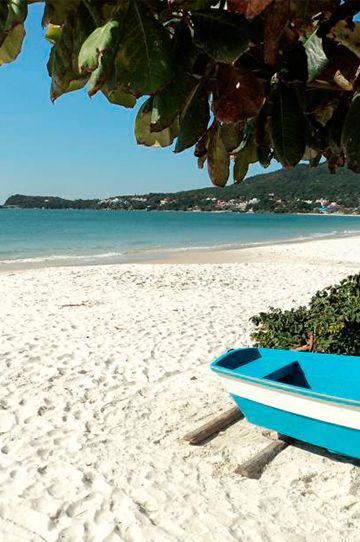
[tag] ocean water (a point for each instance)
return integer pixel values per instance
(71, 236)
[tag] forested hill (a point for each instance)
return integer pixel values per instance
(298, 189)
(301, 182)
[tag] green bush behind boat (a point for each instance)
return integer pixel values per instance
(332, 319)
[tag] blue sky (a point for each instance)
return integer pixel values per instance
(77, 147)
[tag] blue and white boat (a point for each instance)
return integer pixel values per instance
(310, 397)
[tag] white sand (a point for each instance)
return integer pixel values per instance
(103, 369)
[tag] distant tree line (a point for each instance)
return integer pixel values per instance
(280, 191)
(49, 202)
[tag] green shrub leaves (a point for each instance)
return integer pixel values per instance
(332, 318)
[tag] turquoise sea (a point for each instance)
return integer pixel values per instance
(70, 236)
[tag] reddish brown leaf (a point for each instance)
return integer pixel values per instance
(334, 160)
(289, 39)
(249, 8)
(202, 145)
(240, 96)
(276, 21)
(239, 6)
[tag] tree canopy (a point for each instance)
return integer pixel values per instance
(241, 80)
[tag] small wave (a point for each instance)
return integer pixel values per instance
(62, 257)
(245, 244)
(129, 254)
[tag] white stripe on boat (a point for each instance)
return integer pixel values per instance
(294, 403)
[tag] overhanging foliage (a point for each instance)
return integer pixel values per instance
(248, 80)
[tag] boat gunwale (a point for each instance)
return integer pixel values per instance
(290, 389)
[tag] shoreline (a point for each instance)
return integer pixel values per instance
(179, 211)
(241, 254)
(187, 256)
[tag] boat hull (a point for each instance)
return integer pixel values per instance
(335, 438)
(310, 397)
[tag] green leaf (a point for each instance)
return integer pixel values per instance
(262, 137)
(17, 13)
(293, 64)
(264, 155)
(194, 118)
(119, 97)
(53, 33)
(336, 126)
(3, 16)
(201, 161)
(143, 61)
(241, 166)
(248, 155)
(351, 135)
(310, 154)
(63, 62)
(314, 162)
(191, 5)
(97, 54)
(12, 32)
(202, 144)
(325, 112)
(169, 101)
(223, 36)
(143, 133)
(287, 126)
(232, 135)
(218, 159)
(248, 136)
(11, 47)
(316, 58)
(57, 11)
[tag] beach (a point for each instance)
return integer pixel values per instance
(106, 367)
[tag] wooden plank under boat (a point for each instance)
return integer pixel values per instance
(310, 397)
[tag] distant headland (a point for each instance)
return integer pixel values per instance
(300, 190)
